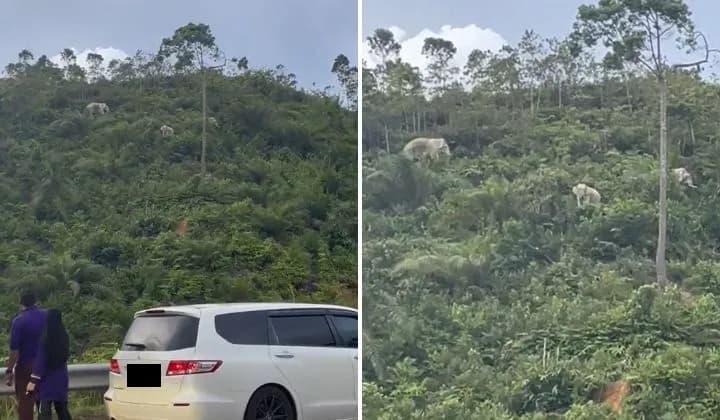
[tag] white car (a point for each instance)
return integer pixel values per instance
(236, 361)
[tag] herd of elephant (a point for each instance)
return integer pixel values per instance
(588, 195)
(99, 108)
(423, 148)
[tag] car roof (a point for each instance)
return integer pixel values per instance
(218, 308)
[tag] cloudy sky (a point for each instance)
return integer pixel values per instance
(305, 36)
(488, 24)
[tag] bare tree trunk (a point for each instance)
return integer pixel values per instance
(560, 94)
(538, 96)
(627, 91)
(650, 141)
(660, 263)
(692, 135)
(387, 139)
(203, 166)
(532, 102)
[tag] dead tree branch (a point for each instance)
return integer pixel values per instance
(704, 60)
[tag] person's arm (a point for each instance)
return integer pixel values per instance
(38, 368)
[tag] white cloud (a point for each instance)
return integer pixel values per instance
(398, 33)
(465, 39)
(108, 53)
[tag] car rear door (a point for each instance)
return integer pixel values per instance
(154, 341)
(345, 326)
(304, 348)
(243, 342)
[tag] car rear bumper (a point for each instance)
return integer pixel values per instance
(197, 410)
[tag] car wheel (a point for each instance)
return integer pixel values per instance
(270, 403)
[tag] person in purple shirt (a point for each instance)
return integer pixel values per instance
(25, 333)
(49, 379)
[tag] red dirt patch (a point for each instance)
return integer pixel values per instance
(614, 393)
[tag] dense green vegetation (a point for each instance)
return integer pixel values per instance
(103, 216)
(487, 292)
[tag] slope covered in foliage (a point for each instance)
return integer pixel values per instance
(487, 292)
(103, 216)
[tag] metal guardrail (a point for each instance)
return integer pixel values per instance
(82, 378)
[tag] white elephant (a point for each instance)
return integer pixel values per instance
(167, 131)
(683, 177)
(426, 148)
(94, 108)
(585, 195)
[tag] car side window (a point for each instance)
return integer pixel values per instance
(248, 328)
(347, 329)
(303, 330)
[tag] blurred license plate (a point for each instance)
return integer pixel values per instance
(143, 375)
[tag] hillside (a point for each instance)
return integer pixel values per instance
(103, 216)
(487, 292)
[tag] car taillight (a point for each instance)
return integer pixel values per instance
(190, 367)
(114, 366)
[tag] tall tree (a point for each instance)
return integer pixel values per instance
(475, 70)
(386, 49)
(347, 76)
(22, 66)
(637, 31)
(405, 92)
(503, 73)
(73, 72)
(26, 56)
(194, 49)
(67, 56)
(369, 86)
(241, 64)
(404, 79)
(47, 68)
(95, 60)
(563, 66)
(121, 70)
(531, 53)
(440, 51)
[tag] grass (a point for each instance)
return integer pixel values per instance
(83, 406)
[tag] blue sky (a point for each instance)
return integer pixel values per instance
(490, 23)
(304, 35)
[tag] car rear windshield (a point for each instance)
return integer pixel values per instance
(161, 333)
